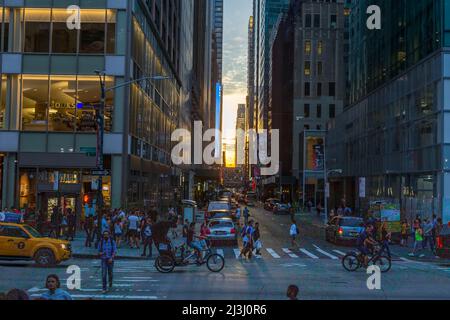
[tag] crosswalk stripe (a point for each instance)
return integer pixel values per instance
(237, 252)
(273, 253)
(289, 253)
(339, 252)
(220, 252)
(309, 254)
(326, 253)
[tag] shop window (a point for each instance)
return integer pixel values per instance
(34, 101)
(63, 39)
(37, 30)
(62, 103)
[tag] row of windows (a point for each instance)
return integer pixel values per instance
(319, 109)
(308, 69)
(308, 47)
(319, 91)
(45, 30)
(315, 21)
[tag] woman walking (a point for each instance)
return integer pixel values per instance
(118, 231)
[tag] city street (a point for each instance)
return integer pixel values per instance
(315, 267)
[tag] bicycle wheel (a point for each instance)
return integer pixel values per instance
(351, 262)
(164, 264)
(383, 262)
(215, 263)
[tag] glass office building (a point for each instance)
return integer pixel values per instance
(395, 132)
(49, 92)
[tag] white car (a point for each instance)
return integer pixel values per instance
(222, 229)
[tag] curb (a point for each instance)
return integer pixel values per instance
(94, 256)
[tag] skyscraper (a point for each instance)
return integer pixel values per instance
(393, 136)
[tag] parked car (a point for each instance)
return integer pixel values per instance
(222, 229)
(270, 203)
(344, 229)
(22, 242)
(280, 208)
(443, 243)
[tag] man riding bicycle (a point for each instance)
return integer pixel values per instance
(194, 244)
(366, 241)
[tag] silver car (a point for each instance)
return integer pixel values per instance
(222, 229)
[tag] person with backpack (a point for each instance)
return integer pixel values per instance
(294, 232)
(107, 251)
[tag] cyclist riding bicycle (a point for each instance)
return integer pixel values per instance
(194, 244)
(365, 242)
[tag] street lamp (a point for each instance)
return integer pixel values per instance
(327, 173)
(101, 131)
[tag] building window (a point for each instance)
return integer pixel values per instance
(308, 47)
(308, 21)
(3, 101)
(319, 111)
(4, 19)
(306, 110)
(63, 103)
(333, 21)
(306, 127)
(332, 111)
(320, 48)
(332, 89)
(307, 68)
(307, 89)
(63, 39)
(319, 68)
(319, 89)
(37, 30)
(317, 21)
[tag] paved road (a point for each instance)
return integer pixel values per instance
(315, 267)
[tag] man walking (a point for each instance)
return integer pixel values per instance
(71, 224)
(294, 232)
(133, 222)
(107, 251)
(147, 238)
(246, 215)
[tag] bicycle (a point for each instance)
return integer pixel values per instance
(352, 261)
(168, 259)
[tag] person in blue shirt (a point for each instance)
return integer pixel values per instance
(54, 292)
(107, 251)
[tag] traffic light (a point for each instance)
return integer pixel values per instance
(86, 199)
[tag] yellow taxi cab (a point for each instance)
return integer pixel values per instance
(22, 242)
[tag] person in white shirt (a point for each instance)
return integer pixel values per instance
(293, 232)
(133, 223)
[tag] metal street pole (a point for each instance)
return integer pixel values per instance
(100, 119)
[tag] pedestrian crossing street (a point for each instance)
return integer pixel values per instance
(314, 253)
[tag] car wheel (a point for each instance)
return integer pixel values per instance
(45, 258)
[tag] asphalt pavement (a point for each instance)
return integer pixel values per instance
(314, 266)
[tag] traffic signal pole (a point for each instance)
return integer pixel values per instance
(100, 119)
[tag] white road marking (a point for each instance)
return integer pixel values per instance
(273, 253)
(220, 252)
(289, 253)
(339, 252)
(309, 254)
(237, 252)
(326, 253)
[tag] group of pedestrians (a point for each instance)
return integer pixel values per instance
(251, 236)
(424, 233)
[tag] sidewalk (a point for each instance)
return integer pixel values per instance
(396, 250)
(124, 252)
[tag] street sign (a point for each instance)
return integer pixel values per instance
(100, 173)
(362, 187)
(89, 151)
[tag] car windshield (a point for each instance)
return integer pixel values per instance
(221, 224)
(33, 232)
(351, 222)
(220, 215)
